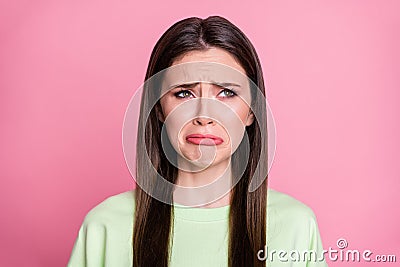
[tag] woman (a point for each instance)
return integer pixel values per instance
(219, 211)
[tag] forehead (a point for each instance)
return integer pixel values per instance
(214, 65)
(216, 55)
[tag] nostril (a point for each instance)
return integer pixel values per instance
(203, 121)
(198, 122)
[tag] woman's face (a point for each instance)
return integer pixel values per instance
(205, 121)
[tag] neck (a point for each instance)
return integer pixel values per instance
(208, 188)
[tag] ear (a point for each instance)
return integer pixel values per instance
(250, 118)
(159, 113)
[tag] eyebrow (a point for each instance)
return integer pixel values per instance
(184, 85)
(227, 84)
(189, 85)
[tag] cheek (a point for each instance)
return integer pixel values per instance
(241, 110)
(173, 119)
(166, 106)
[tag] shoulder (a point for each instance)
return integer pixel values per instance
(112, 209)
(105, 234)
(289, 217)
(287, 205)
(292, 226)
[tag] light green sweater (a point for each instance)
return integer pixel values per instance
(200, 236)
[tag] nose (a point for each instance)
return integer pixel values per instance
(202, 109)
(202, 121)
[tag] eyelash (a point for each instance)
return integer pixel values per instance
(232, 92)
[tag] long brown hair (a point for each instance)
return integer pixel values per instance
(153, 219)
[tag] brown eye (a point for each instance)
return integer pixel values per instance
(183, 94)
(227, 93)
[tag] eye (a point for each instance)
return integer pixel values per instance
(183, 94)
(226, 93)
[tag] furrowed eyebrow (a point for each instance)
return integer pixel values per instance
(184, 85)
(227, 84)
(190, 85)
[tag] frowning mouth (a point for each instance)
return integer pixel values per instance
(204, 139)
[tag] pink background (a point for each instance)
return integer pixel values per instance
(69, 68)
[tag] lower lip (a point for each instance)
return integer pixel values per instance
(204, 141)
